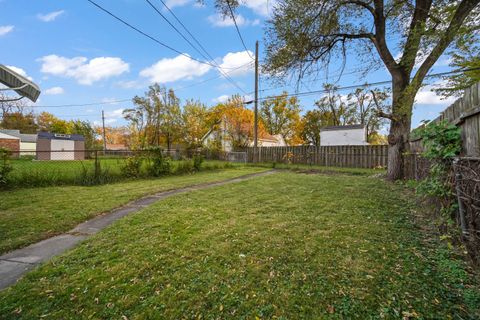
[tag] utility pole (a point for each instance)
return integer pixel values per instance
(104, 139)
(255, 126)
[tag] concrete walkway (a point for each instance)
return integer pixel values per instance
(16, 263)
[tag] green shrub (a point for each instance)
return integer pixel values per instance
(197, 162)
(94, 176)
(442, 142)
(157, 164)
(132, 167)
(5, 167)
(184, 166)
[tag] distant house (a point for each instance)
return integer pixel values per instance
(54, 146)
(350, 135)
(28, 142)
(116, 146)
(218, 133)
(10, 143)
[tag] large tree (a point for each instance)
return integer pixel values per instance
(281, 115)
(194, 123)
(156, 117)
(305, 34)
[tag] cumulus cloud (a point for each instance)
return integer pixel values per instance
(20, 71)
(5, 29)
(237, 63)
(223, 98)
(219, 20)
(178, 68)
(177, 3)
(81, 69)
(54, 91)
(48, 17)
(260, 7)
(426, 96)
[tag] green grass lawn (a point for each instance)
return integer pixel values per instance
(33, 214)
(286, 246)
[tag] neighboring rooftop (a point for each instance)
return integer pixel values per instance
(347, 127)
(24, 137)
(60, 136)
(7, 136)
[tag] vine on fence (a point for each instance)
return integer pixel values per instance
(442, 142)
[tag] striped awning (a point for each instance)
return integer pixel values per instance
(24, 87)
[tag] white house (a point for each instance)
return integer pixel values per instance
(351, 135)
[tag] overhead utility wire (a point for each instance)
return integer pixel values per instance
(366, 85)
(238, 30)
(147, 35)
(193, 46)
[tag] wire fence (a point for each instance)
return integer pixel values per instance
(465, 181)
(467, 188)
(89, 167)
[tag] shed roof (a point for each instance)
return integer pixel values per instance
(24, 137)
(347, 127)
(60, 136)
(8, 137)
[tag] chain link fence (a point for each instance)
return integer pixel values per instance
(467, 189)
(465, 180)
(89, 167)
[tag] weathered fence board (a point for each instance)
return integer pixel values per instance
(335, 156)
(465, 113)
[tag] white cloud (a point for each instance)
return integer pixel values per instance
(218, 20)
(54, 91)
(176, 3)
(170, 70)
(84, 71)
(260, 7)
(133, 84)
(50, 16)
(5, 29)
(232, 63)
(223, 98)
(116, 114)
(428, 97)
(20, 71)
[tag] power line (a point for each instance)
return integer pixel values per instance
(82, 104)
(191, 44)
(366, 85)
(147, 35)
(238, 30)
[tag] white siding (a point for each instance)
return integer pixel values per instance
(60, 145)
(348, 137)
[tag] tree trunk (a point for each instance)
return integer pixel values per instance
(398, 138)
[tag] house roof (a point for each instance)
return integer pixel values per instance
(7, 136)
(60, 136)
(24, 137)
(348, 127)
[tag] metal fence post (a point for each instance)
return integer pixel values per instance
(97, 166)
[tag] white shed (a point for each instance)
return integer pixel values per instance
(351, 135)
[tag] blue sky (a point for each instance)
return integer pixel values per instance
(78, 54)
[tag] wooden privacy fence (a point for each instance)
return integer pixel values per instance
(464, 113)
(334, 156)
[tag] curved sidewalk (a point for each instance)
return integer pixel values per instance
(15, 264)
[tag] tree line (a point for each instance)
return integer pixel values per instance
(160, 119)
